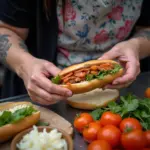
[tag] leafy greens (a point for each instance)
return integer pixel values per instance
(129, 106)
(56, 79)
(8, 117)
(103, 73)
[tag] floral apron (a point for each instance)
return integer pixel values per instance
(88, 28)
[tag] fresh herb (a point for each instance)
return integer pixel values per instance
(128, 106)
(96, 114)
(8, 117)
(41, 123)
(103, 73)
(89, 77)
(56, 80)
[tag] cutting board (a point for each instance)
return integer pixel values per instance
(52, 118)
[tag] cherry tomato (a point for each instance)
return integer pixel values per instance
(147, 93)
(82, 120)
(130, 123)
(90, 132)
(110, 118)
(147, 135)
(99, 122)
(99, 145)
(111, 134)
(134, 139)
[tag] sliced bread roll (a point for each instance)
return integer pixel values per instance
(93, 99)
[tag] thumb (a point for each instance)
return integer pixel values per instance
(110, 55)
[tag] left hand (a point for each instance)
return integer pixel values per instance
(127, 53)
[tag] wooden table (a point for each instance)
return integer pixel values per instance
(137, 88)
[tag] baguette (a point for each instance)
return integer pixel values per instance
(20, 116)
(94, 99)
(87, 76)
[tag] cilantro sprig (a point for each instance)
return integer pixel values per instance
(128, 106)
(56, 79)
(8, 117)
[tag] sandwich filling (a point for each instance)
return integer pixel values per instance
(15, 114)
(88, 73)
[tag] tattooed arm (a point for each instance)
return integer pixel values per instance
(13, 51)
(142, 39)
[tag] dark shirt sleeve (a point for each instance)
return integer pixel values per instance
(19, 13)
(144, 19)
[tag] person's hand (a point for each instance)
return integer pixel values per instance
(39, 87)
(127, 53)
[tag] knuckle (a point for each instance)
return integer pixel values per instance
(47, 64)
(34, 78)
(138, 64)
(33, 98)
(29, 87)
(132, 77)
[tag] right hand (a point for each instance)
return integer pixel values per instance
(39, 87)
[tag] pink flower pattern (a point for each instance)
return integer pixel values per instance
(121, 33)
(128, 25)
(70, 13)
(101, 37)
(116, 13)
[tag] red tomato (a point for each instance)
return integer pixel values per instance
(134, 139)
(109, 118)
(99, 122)
(82, 120)
(147, 93)
(146, 149)
(130, 123)
(111, 134)
(90, 132)
(99, 145)
(147, 135)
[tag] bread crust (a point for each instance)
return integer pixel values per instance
(10, 130)
(87, 86)
(83, 65)
(86, 106)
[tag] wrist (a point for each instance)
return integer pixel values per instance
(137, 45)
(142, 46)
(22, 69)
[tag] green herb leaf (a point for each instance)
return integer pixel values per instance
(129, 104)
(116, 69)
(56, 80)
(96, 114)
(89, 77)
(5, 117)
(114, 107)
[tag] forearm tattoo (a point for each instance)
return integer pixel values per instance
(144, 34)
(23, 45)
(4, 47)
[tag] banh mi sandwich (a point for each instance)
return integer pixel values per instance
(15, 117)
(87, 76)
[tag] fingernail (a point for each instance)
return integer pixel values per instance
(69, 93)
